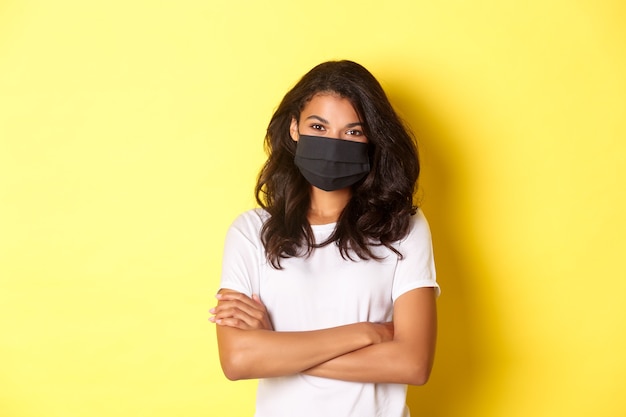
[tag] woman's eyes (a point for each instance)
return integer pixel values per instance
(349, 132)
(354, 132)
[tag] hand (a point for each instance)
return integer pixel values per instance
(240, 311)
(384, 331)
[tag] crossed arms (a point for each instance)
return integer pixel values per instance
(398, 352)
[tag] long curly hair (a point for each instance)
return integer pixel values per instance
(379, 210)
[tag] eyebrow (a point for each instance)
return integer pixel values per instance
(321, 119)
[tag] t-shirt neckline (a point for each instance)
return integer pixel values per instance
(328, 227)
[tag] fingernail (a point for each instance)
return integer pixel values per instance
(212, 319)
(212, 311)
(218, 296)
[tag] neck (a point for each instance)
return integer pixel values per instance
(326, 206)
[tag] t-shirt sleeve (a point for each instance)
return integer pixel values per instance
(416, 269)
(242, 253)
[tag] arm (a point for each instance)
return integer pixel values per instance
(407, 359)
(250, 349)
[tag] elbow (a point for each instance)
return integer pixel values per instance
(232, 373)
(234, 367)
(418, 374)
(419, 378)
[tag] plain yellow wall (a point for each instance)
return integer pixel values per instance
(131, 135)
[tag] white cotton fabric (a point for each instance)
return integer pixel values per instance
(321, 291)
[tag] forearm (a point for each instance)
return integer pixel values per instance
(390, 362)
(407, 359)
(246, 354)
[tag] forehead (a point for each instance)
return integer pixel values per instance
(330, 106)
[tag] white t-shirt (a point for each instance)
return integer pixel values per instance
(321, 291)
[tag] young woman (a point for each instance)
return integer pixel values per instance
(328, 290)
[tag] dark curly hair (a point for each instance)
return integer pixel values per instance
(379, 210)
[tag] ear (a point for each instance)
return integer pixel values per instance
(293, 129)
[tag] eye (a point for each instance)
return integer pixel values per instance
(317, 126)
(354, 132)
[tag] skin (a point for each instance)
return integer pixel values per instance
(398, 352)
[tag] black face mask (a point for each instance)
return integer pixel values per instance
(331, 164)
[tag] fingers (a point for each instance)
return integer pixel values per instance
(233, 322)
(236, 296)
(241, 311)
(238, 313)
(232, 304)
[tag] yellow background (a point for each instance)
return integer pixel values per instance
(131, 135)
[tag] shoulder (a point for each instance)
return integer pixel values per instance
(251, 218)
(249, 223)
(419, 230)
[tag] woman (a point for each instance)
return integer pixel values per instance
(328, 290)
